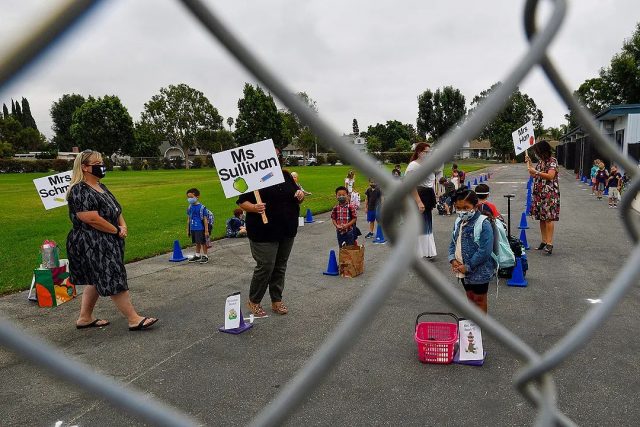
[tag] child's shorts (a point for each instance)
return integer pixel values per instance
(372, 216)
(478, 289)
(614, 193)
(197, 237)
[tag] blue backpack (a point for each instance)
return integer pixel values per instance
(208, 215)
(501, 253)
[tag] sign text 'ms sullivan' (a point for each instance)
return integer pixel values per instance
(243, 164)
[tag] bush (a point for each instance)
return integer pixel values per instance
(208, 161)
(136, 164)
(332, 158)
(293, 161)
(28, 166)
(43, 165)
(166, 164)
(177, 163)
(124, 165)
(108, 163)
(155, 164)
(197, 163)
(321, 159)
(61, 165)
(10, 166)
(397, 157)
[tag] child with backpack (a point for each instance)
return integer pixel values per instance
(474, 254)
(199, 226)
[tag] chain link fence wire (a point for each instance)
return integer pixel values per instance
(534, 380)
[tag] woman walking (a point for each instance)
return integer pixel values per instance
(545, 206)
(271, 243)
(95, 244)
(425, 198)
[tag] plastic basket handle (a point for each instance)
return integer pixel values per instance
(435, 313)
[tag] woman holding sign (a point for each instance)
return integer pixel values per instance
(545, 204)
(95, 244)
(271, 242)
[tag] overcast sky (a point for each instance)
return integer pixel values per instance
(365, 59)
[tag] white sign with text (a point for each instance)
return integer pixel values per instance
(53, 189)
(232, 312)
(523, 138)
(248, 168)
(470, 341)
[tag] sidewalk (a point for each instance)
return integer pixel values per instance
(223, 379)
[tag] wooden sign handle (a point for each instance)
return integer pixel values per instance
(259, 200)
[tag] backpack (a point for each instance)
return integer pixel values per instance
(206, 213)
(518, 250)
(501, 253)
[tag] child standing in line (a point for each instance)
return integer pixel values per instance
(484, 205)
(344, 218)
(355, 199)
(614, 183)
(601, 180)
(373, 203)
(472, 261)
(197, 226)
(594, 171)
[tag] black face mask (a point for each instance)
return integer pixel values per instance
(99, 171)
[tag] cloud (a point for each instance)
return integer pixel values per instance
(362, 59)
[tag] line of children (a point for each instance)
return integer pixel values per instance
(197, 226)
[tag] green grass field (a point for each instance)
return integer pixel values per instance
(154, 204)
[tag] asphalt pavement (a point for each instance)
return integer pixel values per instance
(222, 379)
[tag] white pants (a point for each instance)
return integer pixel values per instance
(426, 245)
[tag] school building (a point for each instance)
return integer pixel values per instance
(578, 149)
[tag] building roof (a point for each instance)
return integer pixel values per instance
(476, 144)
(617, 111)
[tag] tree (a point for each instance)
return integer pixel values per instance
(215, 141)
(146, 142)
(62, 116)
(21, 139)
(258, 118)
(103, 124)
(439, 111)
(356, 129)
(27, 119)
(17, 114)
(5, 111)
(518, 110)
(230, 122)
(305, 139)
(178, 113)
(389, 133)
(554, 133)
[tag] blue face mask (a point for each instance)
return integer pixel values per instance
(466, 215)
(192, 200)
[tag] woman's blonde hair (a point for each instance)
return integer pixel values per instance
(82, 159)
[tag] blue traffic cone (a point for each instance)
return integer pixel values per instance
(177, 253)
(468, 185)
(587, 181)
(475, 181)
(523, 222)
(523, 238)
(309, 217)
(606, 191)
(379, 240)
(332, 266)
(481, 180)
(530, 183)
(517, 277)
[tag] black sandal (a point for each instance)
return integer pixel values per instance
(548, 249)
(93, 324)
(143, 325)
(541, 247)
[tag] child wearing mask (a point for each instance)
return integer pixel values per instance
(344, 218)
(197, 226)
(373, 204)
(472, 261)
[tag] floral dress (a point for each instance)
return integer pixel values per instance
(95, 257)
(545, 204)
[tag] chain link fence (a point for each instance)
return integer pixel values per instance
(534, 380)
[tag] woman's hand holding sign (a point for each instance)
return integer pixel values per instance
(259, 208)
(299, 195)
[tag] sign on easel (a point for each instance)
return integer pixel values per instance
(523, 138)
(233, 321)
(53, 189)
(471, 349)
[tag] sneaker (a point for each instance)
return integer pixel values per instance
(204, 259)
(194, 258)
(369, 235)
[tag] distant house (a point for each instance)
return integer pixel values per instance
(476, 149)
(292, 150)
(357, 141)
(169, 151)
(577, 149)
